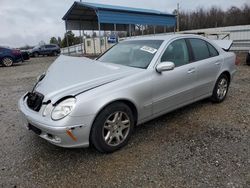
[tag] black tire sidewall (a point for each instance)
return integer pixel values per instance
(248, 59)
(36, 54)
(96, 138)
(215, 97)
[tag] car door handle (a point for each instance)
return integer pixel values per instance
(217, 63)
(190, 71)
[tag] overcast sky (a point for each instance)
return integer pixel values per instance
(30, 21)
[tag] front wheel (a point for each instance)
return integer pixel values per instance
(220, 89)
(7, 62)
(112, 128)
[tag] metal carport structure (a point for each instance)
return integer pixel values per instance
(92, 16)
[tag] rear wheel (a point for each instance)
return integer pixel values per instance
(220, 89)
(112, 128)
(36, 54)
(7, 61)
(54, 53)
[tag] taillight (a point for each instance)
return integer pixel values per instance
(237, 60)
(16, 52)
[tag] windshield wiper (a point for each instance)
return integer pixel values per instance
(136, 66)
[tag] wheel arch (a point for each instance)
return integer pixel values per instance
(127, 102)
(8, 56)
(228, 75)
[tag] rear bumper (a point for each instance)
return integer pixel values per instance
(55, 132)
(233, 73)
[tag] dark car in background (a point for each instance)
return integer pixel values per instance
(9, 56)
(25, 55)
(48, 49)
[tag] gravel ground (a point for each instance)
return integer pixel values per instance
(201, 145)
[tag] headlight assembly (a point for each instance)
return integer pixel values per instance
(63, 108)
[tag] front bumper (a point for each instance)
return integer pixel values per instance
(56, 131)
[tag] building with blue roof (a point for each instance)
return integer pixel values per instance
(93, 16)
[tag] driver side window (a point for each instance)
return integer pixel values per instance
(176, 52)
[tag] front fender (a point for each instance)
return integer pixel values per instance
(93, 105)
(136, 91)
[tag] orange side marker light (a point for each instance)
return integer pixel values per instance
(69, 132)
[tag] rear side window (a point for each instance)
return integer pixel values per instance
(50, 46)
(212, 50)
(200, 49)
(176, 52)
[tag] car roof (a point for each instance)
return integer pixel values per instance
(5, 47)
(165, 37)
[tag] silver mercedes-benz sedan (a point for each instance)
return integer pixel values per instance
(80, 101)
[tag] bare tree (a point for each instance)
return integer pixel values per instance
(214, 17)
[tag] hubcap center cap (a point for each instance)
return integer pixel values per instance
(115, 126)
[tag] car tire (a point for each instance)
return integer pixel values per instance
(7, 61)
(220, 89)
(248, 59)
(112, 128)
(36, 54)
(54, 53)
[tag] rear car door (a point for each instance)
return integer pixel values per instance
(48, 49)
(42, 50)
(208, 63)
(174, 88)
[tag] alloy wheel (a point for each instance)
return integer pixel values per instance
(222, 88)
(7, 62)
(116, 128)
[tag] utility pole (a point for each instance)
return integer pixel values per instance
(178, 18)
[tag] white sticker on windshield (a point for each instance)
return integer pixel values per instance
(148, 49)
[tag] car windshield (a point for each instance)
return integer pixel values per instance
(136, 53)
(36, 47)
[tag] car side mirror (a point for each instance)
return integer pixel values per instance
(165, 66)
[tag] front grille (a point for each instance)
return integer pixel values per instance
(35, 101)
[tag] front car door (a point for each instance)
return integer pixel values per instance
(208, 63)
(174, 88)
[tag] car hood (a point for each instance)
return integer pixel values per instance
(74, 75)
